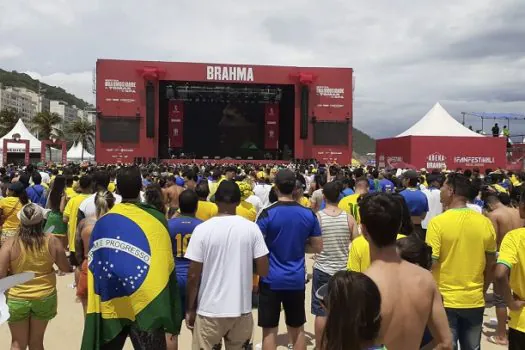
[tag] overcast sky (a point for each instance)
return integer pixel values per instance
(467, 54)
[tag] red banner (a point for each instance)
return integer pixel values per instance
(271, 126)
(175, 123)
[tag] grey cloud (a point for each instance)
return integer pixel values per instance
(406, 57)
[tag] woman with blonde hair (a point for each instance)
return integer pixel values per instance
(104, 201)
(32, 304)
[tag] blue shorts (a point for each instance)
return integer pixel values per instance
(181, 283)
(319, 279)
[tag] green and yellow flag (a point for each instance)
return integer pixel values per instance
(131, 276)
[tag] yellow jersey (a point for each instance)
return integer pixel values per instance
(70, 192)
(112, 187)
(37, 260)
(460, 238)
(305, 202)
(10, 207)
(71, 211)
(206, 210)
(512, 255)
(247, 211)
(350, 206)
(359, 256)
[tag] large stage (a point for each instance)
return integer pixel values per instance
(156, 110)
(224, 161)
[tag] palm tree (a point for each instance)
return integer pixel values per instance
(46, 125)
(82, 131)
(8, 120)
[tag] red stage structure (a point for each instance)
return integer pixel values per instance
(16, 139)
(145, 108)
(438, 141)
(53, 142)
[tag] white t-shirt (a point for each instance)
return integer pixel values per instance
(46, 179)
(262, 191)
(88, 207)
(475, 207)
(434, 205)
(256, 202)
(226, 246)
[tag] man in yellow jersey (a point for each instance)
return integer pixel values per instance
(463, 245)
(70, 192)
(70, 214)
(511, 262)
(409, 296)
(350, 203)
(205, 209)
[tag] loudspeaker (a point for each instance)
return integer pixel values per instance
(150, 110)
(305, 93)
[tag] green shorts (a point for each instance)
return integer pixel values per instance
(44, 309)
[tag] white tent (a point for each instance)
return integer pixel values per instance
(21, 129)
(437, 122)
(75, 153)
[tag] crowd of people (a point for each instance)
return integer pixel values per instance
(402, 259)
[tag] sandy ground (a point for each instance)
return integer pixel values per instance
(65, 331)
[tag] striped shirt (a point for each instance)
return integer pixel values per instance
(336, 241)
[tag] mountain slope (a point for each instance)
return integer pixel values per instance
(17, 79)
(362, 143)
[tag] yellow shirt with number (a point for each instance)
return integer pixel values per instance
(349, 205)
(359, 256)
(512, 255)
(460, 238)
(71, 211)
(206, 210)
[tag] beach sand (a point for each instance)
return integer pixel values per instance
(65, 331)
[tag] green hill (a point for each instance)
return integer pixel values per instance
(17, 79)
(362, 143)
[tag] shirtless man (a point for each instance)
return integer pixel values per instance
(504, 219)
(409, 296)
(171, 195)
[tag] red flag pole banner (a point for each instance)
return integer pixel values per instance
(271, 126)
(175, 123)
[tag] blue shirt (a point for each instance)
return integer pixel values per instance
(348, 192)
(374, 185)
(286, 226)
(180, 230)
(416, 200)
(323, 203)
(37, 195)
(387, 186)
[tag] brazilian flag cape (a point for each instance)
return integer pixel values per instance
(131, 275)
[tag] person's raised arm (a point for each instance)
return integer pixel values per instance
(59, 254)
(438, 322)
